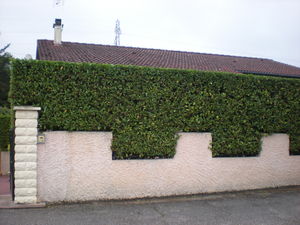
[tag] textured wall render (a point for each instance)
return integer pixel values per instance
(75, 166)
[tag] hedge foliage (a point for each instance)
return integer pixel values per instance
(145, 107)
(4, 130)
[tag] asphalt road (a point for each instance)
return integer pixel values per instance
(265, 207)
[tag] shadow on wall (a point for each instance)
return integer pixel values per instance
(78, 166)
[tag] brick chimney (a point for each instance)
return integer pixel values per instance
(57, 31)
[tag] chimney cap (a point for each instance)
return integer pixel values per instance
(57, 22)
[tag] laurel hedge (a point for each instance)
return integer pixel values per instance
(146, 107)
(4, 130)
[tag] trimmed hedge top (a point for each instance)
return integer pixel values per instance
(145, 107)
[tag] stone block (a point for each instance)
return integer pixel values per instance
(26, 114)
(25, 148)
(26, 123)
(25, 192)
(27, 199)
(25, 175)
(26, 131)
(25, 166)
(25, 140)
(27, 108)
(25, 157)
(25, 183)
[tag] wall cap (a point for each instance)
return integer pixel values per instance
(27, 108)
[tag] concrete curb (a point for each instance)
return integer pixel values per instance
(7, 203)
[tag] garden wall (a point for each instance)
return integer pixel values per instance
(78, 166)
(4, 163)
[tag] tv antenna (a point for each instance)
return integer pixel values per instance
(58, 3)
(118, 33)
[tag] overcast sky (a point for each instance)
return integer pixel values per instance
(255, 28)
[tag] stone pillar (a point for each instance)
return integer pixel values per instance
(26, 154)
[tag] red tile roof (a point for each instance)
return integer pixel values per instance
(108, 54)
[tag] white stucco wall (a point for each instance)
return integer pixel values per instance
(75, 166)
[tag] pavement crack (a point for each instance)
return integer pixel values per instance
(160, 213)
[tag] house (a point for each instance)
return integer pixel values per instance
(108, 54)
